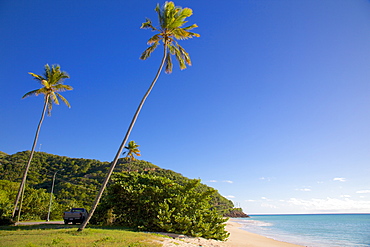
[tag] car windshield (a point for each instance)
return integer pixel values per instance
(77, 210)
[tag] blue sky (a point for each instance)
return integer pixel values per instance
(274, 112)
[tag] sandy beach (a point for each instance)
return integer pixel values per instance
(241, 238)
(238, 238)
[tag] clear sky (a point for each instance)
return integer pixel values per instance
(274, 113)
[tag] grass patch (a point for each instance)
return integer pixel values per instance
(67, 236)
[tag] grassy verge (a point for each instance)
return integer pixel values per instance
(67, 235)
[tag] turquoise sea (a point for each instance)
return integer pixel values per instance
(313, 230)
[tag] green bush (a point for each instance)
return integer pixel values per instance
(35, 204)
(153, 203)
(7, 196)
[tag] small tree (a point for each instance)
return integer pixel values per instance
(35, 204)
(133, 150)
(7, 196)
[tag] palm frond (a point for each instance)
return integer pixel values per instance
(154, 39)
(44, 90)
(36, 77)
(180, 34)
(184, 54)
(50, 104)
(53, 98)
(172, 49)
(55, 68)
(184, 13)
(179, 56)
(181, 60)
(59, 77)
(148, 51)
(30, 93)
(160, 14)
(147, 24)
(47, 72)
(176, 23)
(179, 18)
(56, 76)
(194, 34)
(190, 27)
(62, 88)
(169, 11)
(169, 64)
(63, 99)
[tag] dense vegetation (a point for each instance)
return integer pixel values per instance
(155, 203)
(76, 184)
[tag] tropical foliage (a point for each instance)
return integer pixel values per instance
(133, 150)
(35, 203)
(171, 21)
(52, 82)
(153, 203)
(77, 183)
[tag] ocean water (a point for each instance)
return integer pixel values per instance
(313, 230)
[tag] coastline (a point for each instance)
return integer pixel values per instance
(237, 238)
(242, 238)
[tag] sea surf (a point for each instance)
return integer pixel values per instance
(312, 230)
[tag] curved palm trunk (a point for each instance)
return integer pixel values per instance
(22, 185)
(113, 165)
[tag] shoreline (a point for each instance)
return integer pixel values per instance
(238, 238)
(241, 238)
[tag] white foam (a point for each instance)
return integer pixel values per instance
(254, 223)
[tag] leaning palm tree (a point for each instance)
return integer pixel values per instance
(52, 84)
(133, 150)
(171, 22)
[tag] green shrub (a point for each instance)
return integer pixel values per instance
(35, 203)
(153, 203)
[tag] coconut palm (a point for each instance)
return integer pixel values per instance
(52, 84)
(133, 150)
(171, 19)
(171, 22)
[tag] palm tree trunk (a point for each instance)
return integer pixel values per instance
(22, 185)
(113, 165)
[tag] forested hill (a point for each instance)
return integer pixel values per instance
(78, 180)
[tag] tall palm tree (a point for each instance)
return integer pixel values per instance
(52, 84)
(171, 22)
(133, 150)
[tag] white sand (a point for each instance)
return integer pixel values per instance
(238, 238)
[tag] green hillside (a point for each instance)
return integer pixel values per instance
(78, 180)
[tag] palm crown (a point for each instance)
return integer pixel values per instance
(171, 20)
(52, 82)
(132, 150)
